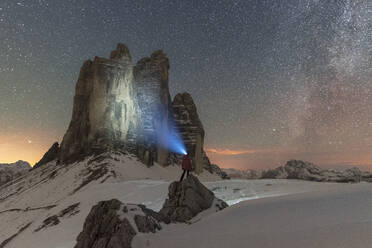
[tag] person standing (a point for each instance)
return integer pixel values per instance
(186, 166)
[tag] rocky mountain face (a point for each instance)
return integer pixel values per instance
(121, 107)
(151, 83)
(8, 172)
(105, 108)
(297, 169)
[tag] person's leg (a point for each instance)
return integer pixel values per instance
(188, 173)
(183, 174)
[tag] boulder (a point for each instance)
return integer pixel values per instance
(188, 198)
(113, 224)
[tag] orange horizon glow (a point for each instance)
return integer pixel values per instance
(27, 146)
(231, 152)
(30, 148)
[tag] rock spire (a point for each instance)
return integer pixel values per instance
(105, 107)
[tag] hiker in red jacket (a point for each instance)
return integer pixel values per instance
(186, 166)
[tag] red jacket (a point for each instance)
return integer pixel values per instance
(186, 163)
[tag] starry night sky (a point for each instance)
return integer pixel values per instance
(272, 80)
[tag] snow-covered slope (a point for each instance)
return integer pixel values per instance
(335, 217)
(47, 207)
(11, 171)
(62, 195)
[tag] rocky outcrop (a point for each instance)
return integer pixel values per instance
(105, 108)
(188, 198)
(297, 169)
(50, 155)
(9, 172)
(113, 224)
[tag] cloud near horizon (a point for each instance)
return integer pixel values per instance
(230, 152)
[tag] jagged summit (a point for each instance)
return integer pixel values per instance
(121, 53)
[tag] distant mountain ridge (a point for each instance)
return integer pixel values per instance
(10, 171)
(297, 169)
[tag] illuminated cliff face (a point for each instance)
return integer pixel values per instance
(113, 110)
(151, 80)
(105, 113)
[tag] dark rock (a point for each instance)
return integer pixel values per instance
(157, 216)
(219, 205)
(70, 210)
(186, 199)
(93, 173)
(50, 155)
(146, 224)
(108, 225)
(103, 228)
(48, 222)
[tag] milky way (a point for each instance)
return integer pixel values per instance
(272, 80)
